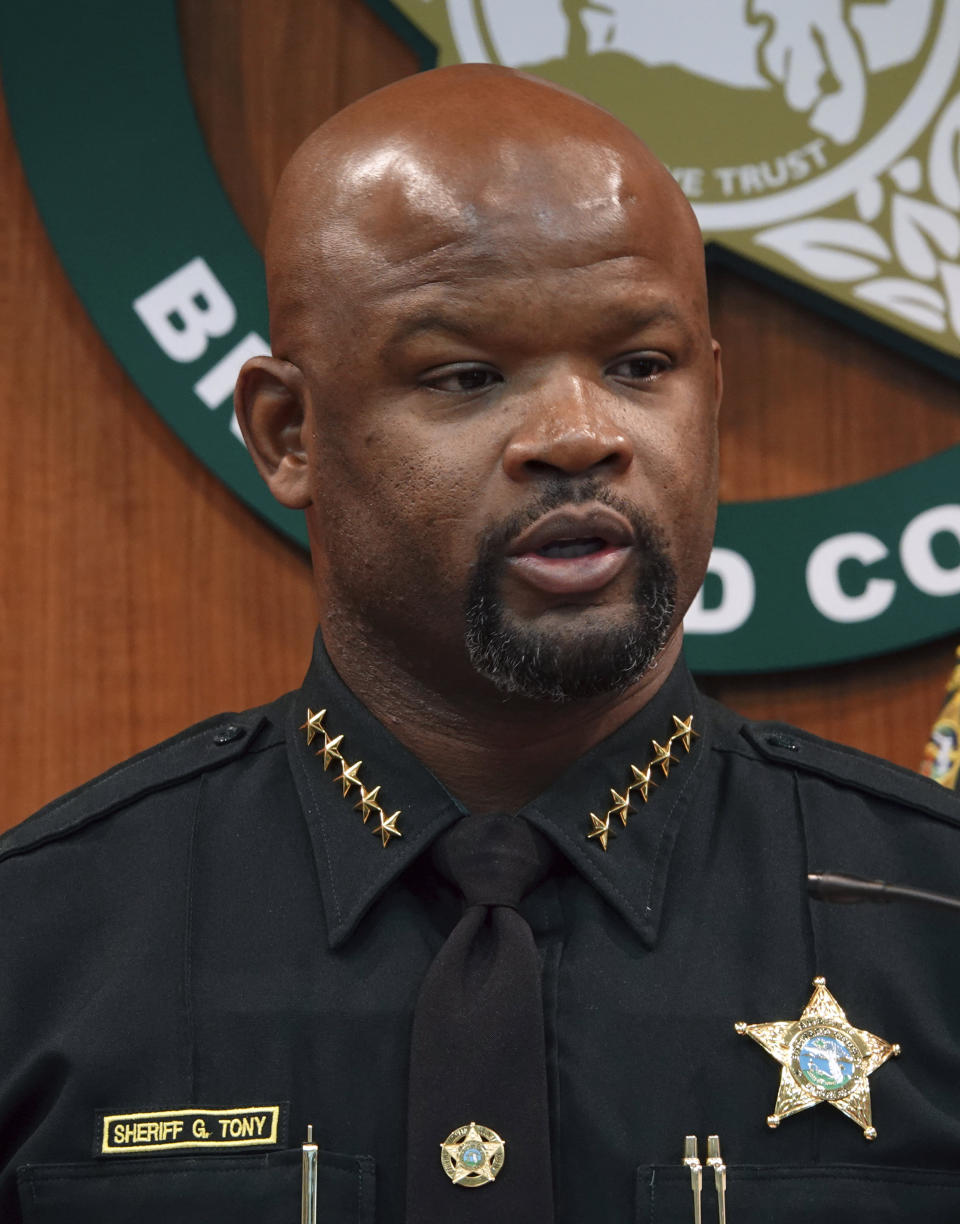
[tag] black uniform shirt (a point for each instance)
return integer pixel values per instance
(206, 949)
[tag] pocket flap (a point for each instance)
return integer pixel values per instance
(757, 1194)
(248, 1189)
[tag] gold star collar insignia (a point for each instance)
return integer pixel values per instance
(664, 757)
(472, 1155)
(314, 725)
(330, 750)
(387, 827)
(349, 777)
(601, 829)
(368, 802)
(642, 782)
(823, 1058)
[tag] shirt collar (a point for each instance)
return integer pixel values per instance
(354, 867)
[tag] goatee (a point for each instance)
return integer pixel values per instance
(525, 661)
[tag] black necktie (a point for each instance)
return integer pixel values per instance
(477, 1052)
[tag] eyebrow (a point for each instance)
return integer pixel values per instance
(431, 321)
(619, 318)
(636, 320)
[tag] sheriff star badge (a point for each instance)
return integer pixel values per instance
(823, 1058)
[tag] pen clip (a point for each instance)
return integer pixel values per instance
(692, 1161)
(715, 1162)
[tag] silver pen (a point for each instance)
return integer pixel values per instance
(308, 1182)
(692, 1161)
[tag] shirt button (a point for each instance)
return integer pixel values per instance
(776, 739)
(228, 734)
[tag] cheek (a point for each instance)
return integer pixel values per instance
(398, 497)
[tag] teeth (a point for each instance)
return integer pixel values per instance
(571, 548)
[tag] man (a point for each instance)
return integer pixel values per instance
(494, 394)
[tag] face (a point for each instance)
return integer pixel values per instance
(511, 397)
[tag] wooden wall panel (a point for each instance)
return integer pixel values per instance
(137, 595)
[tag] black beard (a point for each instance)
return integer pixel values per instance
(528, 662)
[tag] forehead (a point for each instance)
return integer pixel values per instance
(405, 230)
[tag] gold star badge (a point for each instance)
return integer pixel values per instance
(472, 1155)
(824, 1058)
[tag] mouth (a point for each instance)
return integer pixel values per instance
(572, 551)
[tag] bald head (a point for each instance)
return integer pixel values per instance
(456, 160)
(487, 302)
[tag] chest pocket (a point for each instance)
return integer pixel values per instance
(248, 1189)
(757, 1194)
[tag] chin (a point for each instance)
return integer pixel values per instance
(595, 653)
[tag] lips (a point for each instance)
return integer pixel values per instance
(572, 551)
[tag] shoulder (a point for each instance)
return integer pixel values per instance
(213, 744)
(779, 746)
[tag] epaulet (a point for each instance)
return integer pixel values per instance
(800, 750)
(206, 745)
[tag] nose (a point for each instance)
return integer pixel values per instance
(569, 427)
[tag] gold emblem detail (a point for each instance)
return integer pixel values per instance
(823, 1058)
(472, 1155)
(642, 781)
(349, 777)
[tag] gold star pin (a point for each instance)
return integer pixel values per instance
(621, 806)
(349, 776)
(368, 802)
(683, 730)
(601, 829)
(387, 827)
(823, 1058)
(330, 750)
(663, 756)
(314, 725)
(472, 1155)
(642, 781)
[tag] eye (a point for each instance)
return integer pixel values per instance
(462, 378)
(638, 367)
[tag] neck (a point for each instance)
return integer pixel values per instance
(492, 753)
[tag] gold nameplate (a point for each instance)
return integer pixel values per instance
(170, 1129)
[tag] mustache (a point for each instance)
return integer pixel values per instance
(554, 493)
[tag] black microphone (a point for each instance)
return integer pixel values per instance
(850, 890)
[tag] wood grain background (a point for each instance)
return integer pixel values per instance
(137, 595)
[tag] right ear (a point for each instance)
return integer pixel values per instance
(269, 403)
